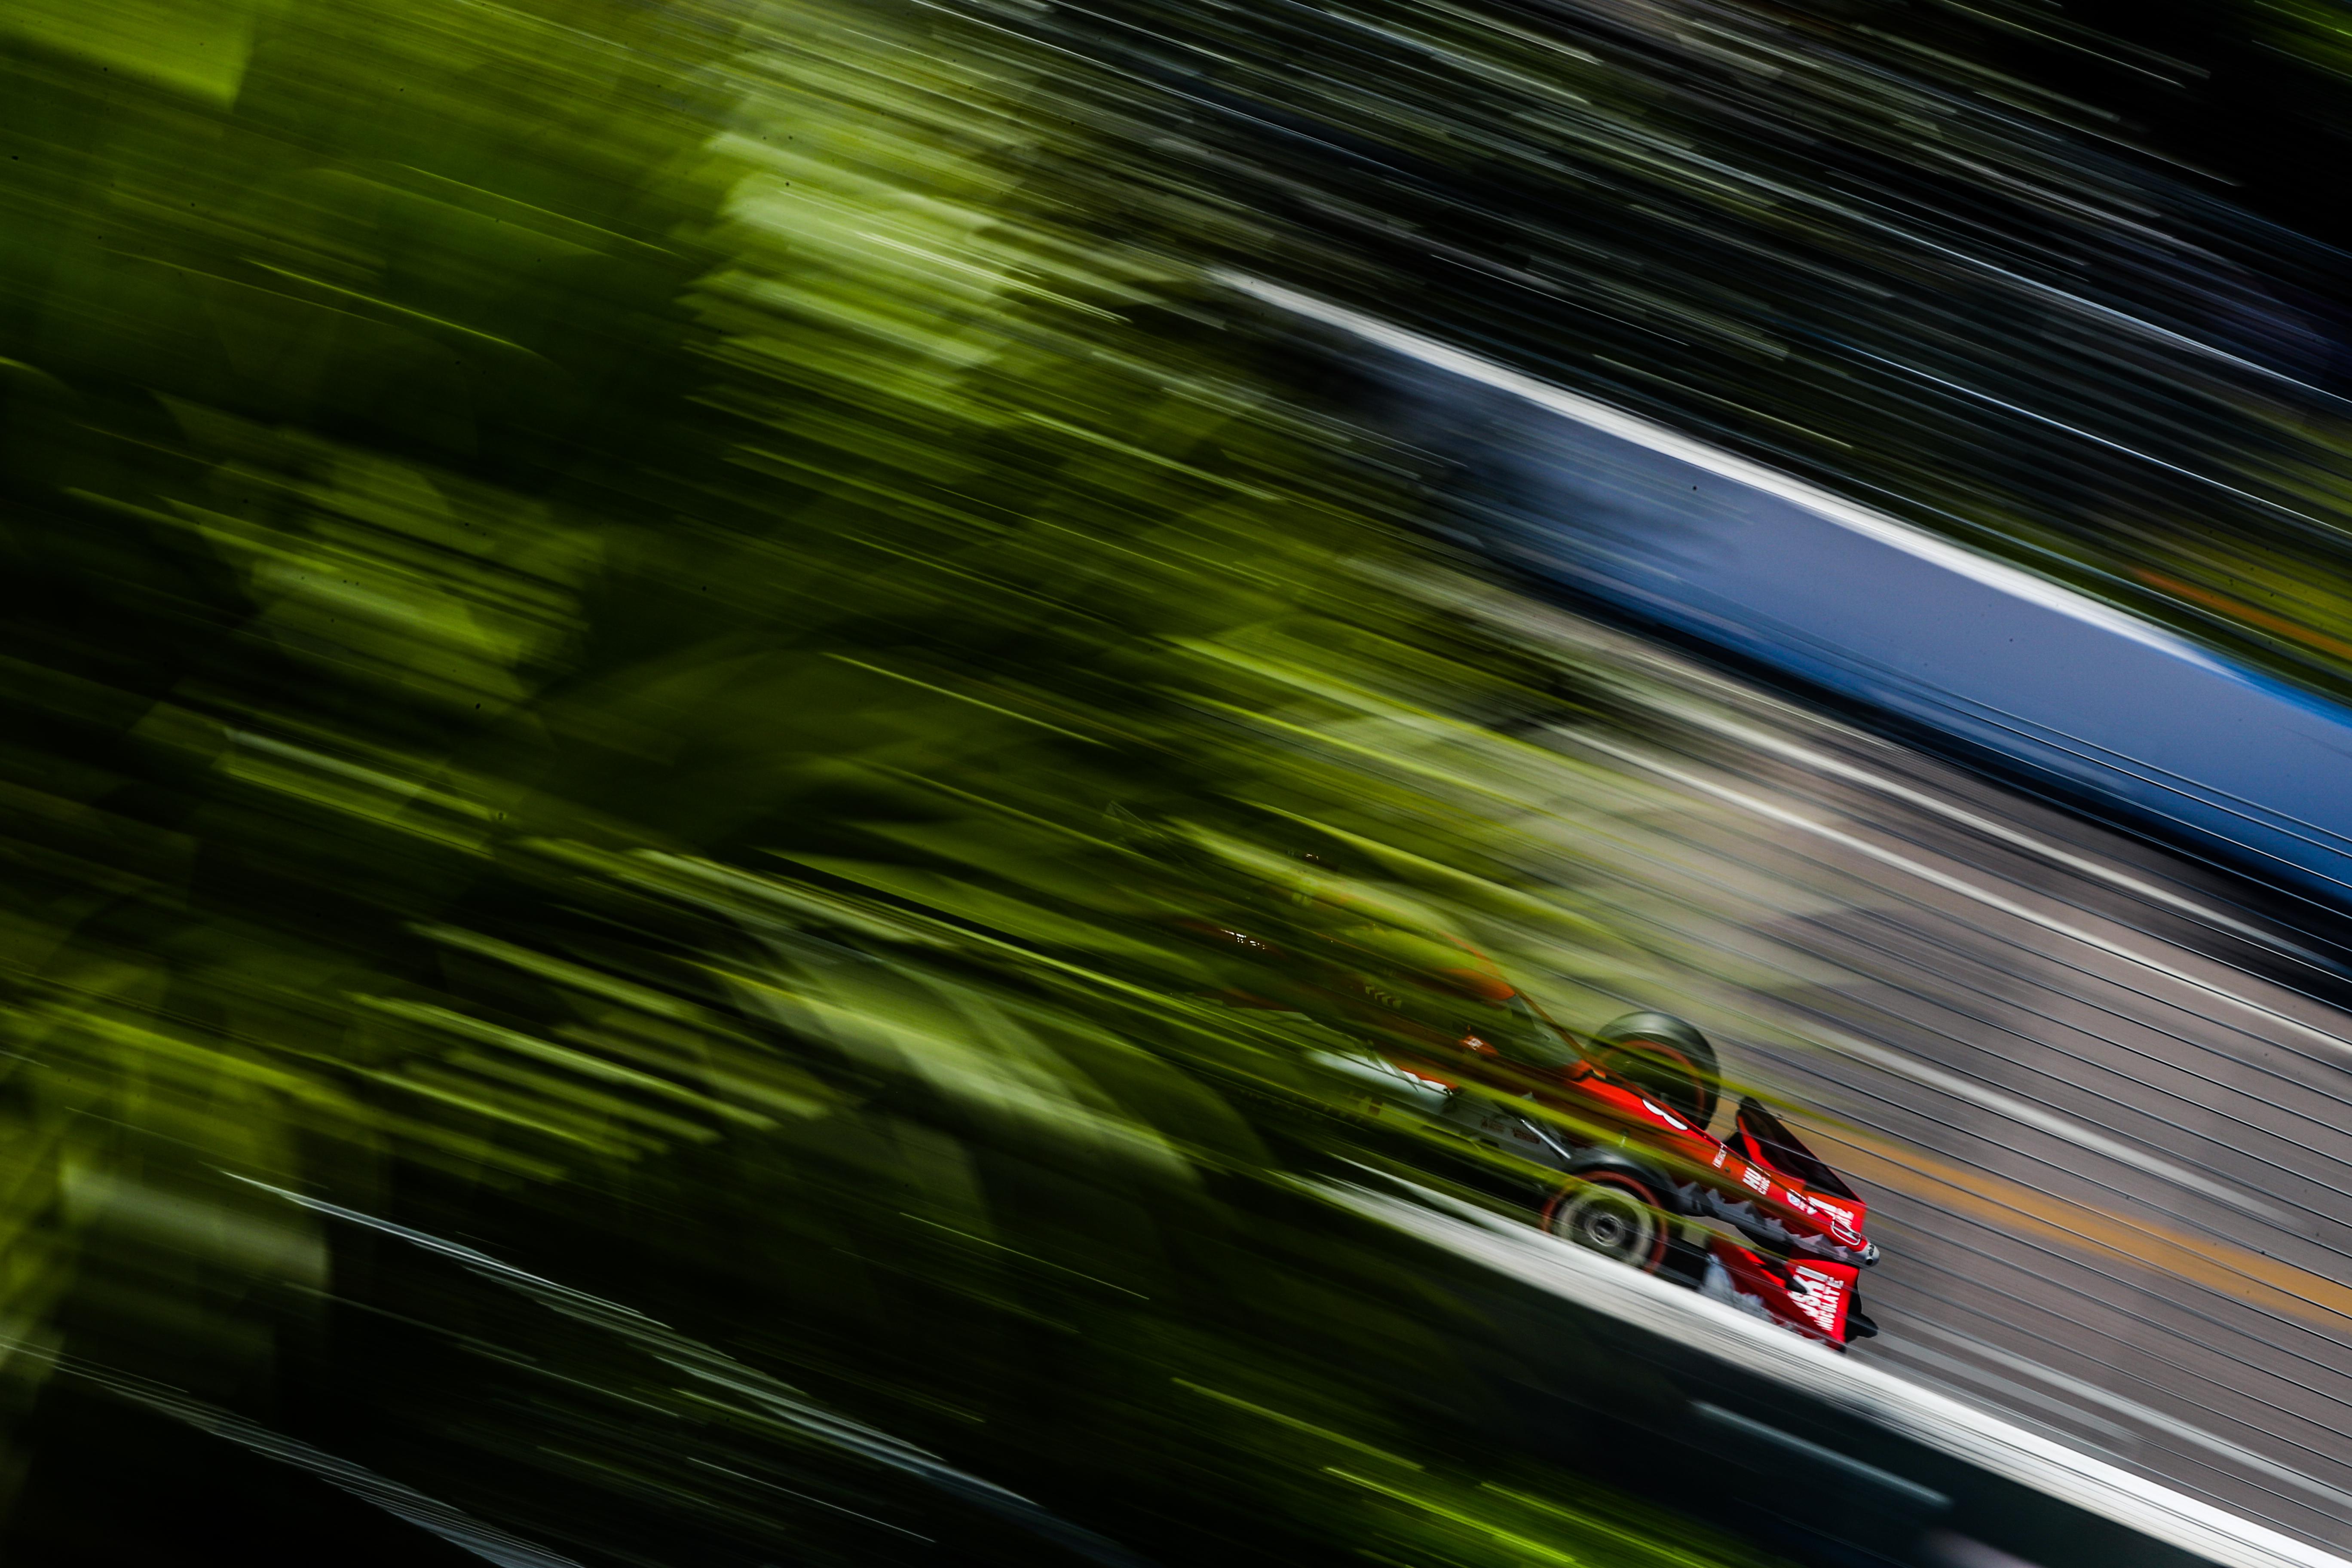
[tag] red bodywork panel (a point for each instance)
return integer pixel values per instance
(1730, 1181)
(1806, 1227)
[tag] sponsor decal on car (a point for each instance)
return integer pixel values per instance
(1839, 1218)
(1668, 1117)
(1819, 1293)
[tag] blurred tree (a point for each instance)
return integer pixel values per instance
(584, 578)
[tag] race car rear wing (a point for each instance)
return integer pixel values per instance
(1764, 1140)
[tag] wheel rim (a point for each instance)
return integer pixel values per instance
(1606, 1218)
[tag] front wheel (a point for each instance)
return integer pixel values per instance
(1615, 1214)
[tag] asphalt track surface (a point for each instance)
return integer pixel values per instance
(2102, 1114)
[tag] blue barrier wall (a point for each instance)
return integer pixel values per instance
(2219, 757)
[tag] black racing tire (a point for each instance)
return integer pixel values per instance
(1667, 1058)
(1615, 1213)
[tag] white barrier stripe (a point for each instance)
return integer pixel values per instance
(1921, 1415)
(1997, 574)
(2147, 1415)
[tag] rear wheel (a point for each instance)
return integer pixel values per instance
(1615, 1214)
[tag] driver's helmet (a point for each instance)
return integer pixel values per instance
(1663, 1028)
(1663, 1055)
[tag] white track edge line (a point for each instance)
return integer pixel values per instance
(1934, 1420)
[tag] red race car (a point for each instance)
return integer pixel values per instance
(1608, 1135)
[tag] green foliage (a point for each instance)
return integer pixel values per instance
(654, 697)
